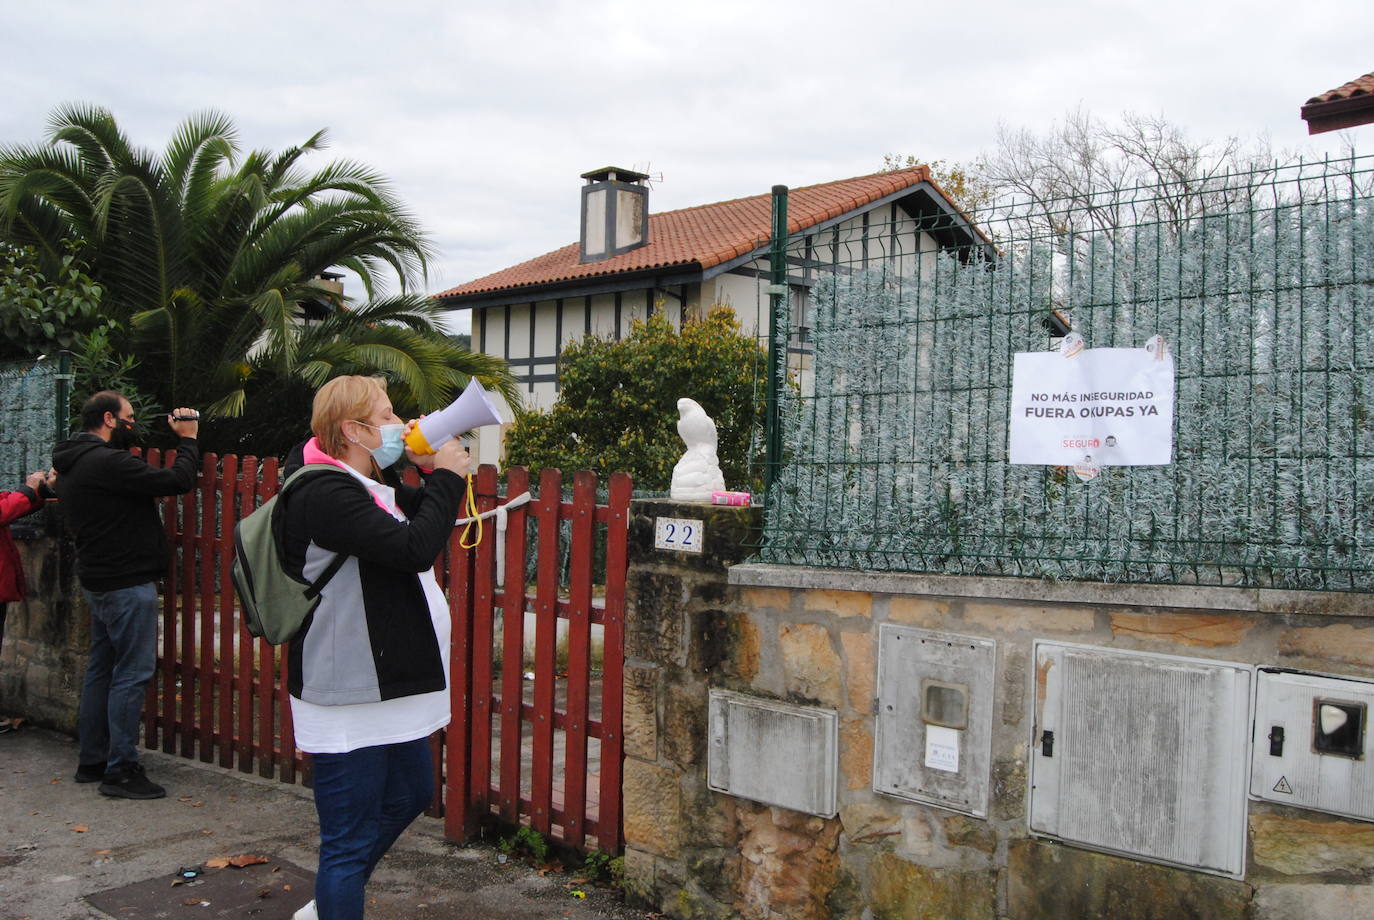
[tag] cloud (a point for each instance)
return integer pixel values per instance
(484, 115)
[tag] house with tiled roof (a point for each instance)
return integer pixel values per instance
(1345, 106)
(629, 264)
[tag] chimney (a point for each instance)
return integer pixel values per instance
(615, 213)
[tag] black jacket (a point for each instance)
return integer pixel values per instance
(107, 497)
(371, 637)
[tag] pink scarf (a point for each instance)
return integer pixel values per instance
(313, 453)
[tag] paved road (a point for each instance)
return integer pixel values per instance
(64, 849)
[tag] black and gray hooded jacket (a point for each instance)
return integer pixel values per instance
(371, 637)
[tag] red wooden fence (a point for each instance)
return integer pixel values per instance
(221, 695)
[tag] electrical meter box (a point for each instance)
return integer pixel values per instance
(1142, 754)
(933, 738)
(774, 752)
(1311, 746)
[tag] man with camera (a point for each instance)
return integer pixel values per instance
(109, 501)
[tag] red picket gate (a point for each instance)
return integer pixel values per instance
(531, 741)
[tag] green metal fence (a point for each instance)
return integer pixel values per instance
(893, 414)
(34, 413)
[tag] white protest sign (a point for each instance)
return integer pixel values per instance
(1101, 407)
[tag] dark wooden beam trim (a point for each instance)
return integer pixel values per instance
(505, 340)
(582, 287)
(534, 310)
(557, 338)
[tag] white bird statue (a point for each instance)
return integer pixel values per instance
(697, 473)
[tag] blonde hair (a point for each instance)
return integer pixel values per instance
(337, 401)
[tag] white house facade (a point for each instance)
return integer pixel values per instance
(629, 265)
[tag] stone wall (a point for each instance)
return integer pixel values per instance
(810, 636)
(48, 633)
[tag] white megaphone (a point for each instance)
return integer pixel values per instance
(472, 409)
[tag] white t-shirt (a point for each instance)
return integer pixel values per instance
(339, 729)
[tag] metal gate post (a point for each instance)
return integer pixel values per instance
(778, 331)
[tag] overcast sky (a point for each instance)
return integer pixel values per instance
(485, 114)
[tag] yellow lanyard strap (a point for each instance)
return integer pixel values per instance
(473, 518)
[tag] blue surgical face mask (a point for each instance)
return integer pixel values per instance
(392, 446)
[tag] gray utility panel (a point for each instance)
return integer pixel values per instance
(774, 752)
(1141, 754)
(1312, 742)
(933, 739)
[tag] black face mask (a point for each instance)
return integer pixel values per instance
(122, 436)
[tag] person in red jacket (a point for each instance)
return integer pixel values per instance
(26, 499)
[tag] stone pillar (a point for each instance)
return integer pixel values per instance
(681, 638)
(48, 633)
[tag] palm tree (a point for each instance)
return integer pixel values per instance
(210, 261)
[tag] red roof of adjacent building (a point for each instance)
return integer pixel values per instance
(1343, 107)
(706, 235)
(1358, 87)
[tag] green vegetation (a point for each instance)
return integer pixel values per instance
(617, 404)
(209, 267)
(44, 313)
(604, 868)
(526, 842)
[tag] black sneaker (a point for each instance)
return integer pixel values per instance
(90, 772)
(131, 783)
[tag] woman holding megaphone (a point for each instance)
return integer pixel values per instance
(369, 668)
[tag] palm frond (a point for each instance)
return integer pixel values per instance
(92, 130)
(210, 255)
(200, 143)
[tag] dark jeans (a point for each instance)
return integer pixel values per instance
(365, 799)
(123, 656)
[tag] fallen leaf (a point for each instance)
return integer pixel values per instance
(103, 852)
(194, 902)
(265, 892)
(54, 781)
(79, 828)
(245, 859)
(219, 862)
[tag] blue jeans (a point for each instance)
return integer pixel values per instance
(365, 799)
(123, 656)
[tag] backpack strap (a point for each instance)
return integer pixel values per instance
(330, 571)
(309, 471)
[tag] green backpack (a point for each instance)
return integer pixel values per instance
(274, 602)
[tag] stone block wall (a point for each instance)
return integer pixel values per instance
(48, 633)
(810, 636)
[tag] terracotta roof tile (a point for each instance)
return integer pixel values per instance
(1360, 86)
(706, 235)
